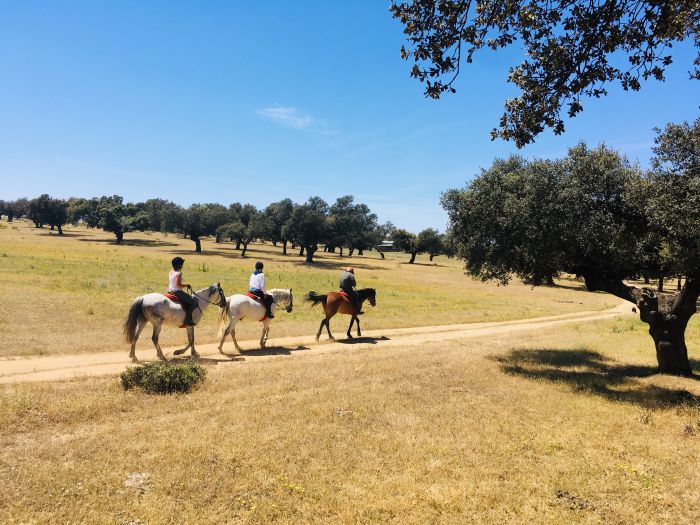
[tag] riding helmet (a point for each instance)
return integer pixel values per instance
(259, 265)
(177, 262)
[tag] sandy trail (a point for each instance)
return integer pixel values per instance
(62, 367)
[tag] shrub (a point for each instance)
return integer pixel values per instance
(163, 378)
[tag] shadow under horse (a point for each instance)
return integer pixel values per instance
(335, 302)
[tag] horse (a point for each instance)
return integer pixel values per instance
(335, 302)
(157, 309)
(240, 307)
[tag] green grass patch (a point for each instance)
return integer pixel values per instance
(163, 378)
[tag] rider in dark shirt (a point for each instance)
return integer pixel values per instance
(348, 284)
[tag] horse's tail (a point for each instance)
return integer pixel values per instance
(314, 298)
(223, 314)
(132, 320)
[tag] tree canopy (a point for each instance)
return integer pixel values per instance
(573, 49)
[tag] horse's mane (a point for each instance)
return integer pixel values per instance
(279, 293)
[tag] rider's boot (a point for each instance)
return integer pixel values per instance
(268, 308)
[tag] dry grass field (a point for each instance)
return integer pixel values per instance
(560, 427)
(70, 294)
(557, 426)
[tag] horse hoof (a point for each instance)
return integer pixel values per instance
(195, 355)
(332, 339)
(133, 359)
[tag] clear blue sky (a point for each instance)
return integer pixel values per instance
(253, 102)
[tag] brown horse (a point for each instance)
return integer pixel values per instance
(334, 302)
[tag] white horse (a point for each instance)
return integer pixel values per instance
(240, 307)
(157, 309)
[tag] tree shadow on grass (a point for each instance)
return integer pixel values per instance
(339, 264)
(590, 372)
(130, 242)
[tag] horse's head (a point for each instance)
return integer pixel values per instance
(372, 296)
(216, 288)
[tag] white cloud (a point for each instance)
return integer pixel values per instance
(291, 117)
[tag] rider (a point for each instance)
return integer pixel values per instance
(257, 287)
(176, 288)
(348, 284)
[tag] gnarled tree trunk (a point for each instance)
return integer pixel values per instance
(667, 315)
(197, 244)
(284, 247)
(310, 250)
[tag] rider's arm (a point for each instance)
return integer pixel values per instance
(179, 282)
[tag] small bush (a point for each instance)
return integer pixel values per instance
(163, 378)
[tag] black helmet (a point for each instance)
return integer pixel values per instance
(259, 265)
(177, 262)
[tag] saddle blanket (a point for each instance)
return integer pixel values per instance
(344, 294)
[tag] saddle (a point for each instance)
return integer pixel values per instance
(346, 295)
(254, 297)
(174, 298)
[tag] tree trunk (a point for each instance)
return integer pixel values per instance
(341, 251)
(431, 256)
(60, 230)
(646, 279)
(274, 243)
(293, 246)
(360, 252)
(413, 257)
(284, 248)
(667, 315)
(310, 250)
(10, 216)
(301, 251)
(52, 227)
(550, 280)
(197, 244)
(680, 283)
(245, 247)
(120, 237)
(238, 244)
(351, 251)
(661, 284)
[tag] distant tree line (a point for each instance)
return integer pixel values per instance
(344, 227)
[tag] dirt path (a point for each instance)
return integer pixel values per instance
(61, 367)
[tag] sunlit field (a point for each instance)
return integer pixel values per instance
(70, 294)
(561, 427)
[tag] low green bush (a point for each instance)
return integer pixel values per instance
(163, 378)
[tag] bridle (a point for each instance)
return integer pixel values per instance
(222, 297)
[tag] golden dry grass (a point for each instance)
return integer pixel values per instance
(70, 294)
(560, 427)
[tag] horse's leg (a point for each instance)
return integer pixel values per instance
(352, 320)
(233, 336)
(190, 338)
(328, 328)
(263, 336)
(190, 341)
(156, 333)
(320, 328)
(139, 329)
(223, 337)
(357, 320)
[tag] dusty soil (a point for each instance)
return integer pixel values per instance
(62, 367)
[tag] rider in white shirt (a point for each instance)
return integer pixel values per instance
(175, 287)
(257, 287)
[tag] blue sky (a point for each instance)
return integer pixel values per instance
(254, 102)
